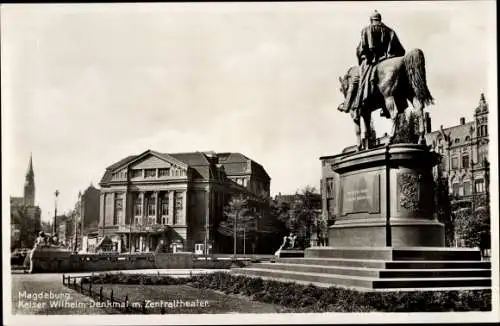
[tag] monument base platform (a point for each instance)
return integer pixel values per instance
(291, 253)
(403, 233)
(381, 268)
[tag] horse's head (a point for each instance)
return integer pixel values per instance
(345, 83)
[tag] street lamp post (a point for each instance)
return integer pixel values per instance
(75, 238)
(54, 227)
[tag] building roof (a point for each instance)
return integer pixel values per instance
(237, 164)
(459, 131)
(199, 162)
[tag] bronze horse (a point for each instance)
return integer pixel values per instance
(397, 80)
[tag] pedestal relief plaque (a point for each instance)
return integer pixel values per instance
(413, 192)
(361, 193)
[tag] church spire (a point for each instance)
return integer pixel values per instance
(483, 105)
(30, 167)
(29, 185)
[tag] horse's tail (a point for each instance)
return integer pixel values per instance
(414, 62)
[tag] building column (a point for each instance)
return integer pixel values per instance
(125, 209)
(157, 207)
(113, 199)
(184, 208)
(102, 211)
(143, 213)
(171, 207)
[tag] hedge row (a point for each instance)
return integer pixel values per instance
(120, 278)
(309, 298)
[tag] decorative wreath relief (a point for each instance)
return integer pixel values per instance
(408, 191)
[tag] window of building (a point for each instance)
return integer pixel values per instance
(164, 172)
(455, 189)
(109, 207)
(178, 207)
(138, 205)
(150, 173)
(479, 185)
(465, 161)
(483, 154)
(461, 191)
(483, 131)
(457, 140)
(467, 138)
(136, 173)
(329, 188)
(330, 205)
(120, 175)
(245, 182)
(118, 209)
(152, 205)
(164, 205)
(467, 188)
(454, 163)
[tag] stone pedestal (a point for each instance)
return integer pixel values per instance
(385, 197)
(291, 253)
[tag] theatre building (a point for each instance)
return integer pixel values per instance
(175, 199)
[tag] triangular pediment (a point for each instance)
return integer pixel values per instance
(153, 160)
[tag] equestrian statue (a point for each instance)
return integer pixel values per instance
(387, 78)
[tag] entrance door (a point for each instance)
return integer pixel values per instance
(198, 248)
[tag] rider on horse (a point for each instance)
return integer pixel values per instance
(378, 42)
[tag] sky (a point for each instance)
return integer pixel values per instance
(85, 85)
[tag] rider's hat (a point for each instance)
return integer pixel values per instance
(376, 16)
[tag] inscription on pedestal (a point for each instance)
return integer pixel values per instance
(361, 193)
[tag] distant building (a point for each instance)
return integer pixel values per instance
(177, 199)
(65, 230)
(88, 224)
(464, 151)
(25, 213)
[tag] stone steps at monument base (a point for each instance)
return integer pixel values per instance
(328, 285)
(465, 264)
(374, 272)
(377, 263)
(290, 276)
(369, 283)
(395, 254)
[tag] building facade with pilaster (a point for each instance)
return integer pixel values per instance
(464, 154)
(175, 199)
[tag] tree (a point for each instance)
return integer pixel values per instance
(473, 226)
(443, 209)
(300, 216)
(26, 226)
(241, 216)
(407, 128)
